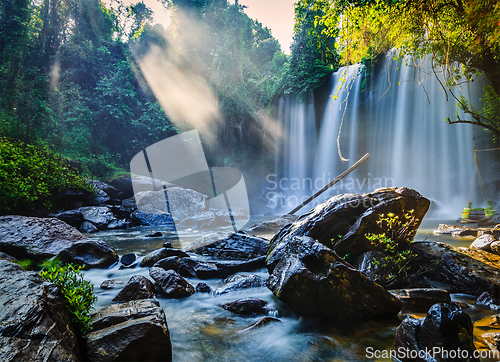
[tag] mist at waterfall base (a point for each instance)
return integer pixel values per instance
(398, 117)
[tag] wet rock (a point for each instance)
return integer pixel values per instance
(36, 238)
(240, 281)
(487, 301)
(445, 327)
(72, 217)
(88, 228)
(203, 288)
(170, 263)
(118, 224)
(261, 323)
(128, 259)
(232, 267)
(132, 331)
(351, 216)
(91, 253)
(421, 299)
(483, 242)
(156, 234)
(273, 225)
(495, 247)
(246, 306)
(35, 324)
(167, 245)
(138, 287)
(170, 284)
(159, 254)
(109, 284)
(464, 232)
(153, 219)
(206, 220)
(313, 280)
(191, 268)
(469, 271)
(492, 340)
(239, 245)
(129, 204)
(100, 216)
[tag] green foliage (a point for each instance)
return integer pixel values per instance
(462, 39)
(78, 293)
(488, 211)
(27, 264)
(32, 176)
(393, 243)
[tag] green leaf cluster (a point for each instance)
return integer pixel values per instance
(393, 243)
(31, 176)
(78, 293)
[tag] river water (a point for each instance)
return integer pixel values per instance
(201, 330)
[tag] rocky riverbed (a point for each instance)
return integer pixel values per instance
(248, 298)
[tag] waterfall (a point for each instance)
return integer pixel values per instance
(399, 120)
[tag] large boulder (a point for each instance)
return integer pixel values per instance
(72, 217)
(470, 271)
(445, 334)
(36, 238)
(313, 280)
(138, 287)
(351, 216)
(483, 242)
(34, 322)
(132, 331)
(246, 306)
(239, 245)
(91, 253)
(171, 284)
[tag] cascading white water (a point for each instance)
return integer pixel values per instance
(399, 121)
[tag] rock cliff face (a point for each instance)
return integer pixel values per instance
(34, 322)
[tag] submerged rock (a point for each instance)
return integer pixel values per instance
(313, 280)
(203, 288)
(239, 245)
(445, 328)
(132, 331)
(246, 306)
(138, 287)
(261, 323)
(170, 284)
(240, 281)
(35, 323)
(351, 216)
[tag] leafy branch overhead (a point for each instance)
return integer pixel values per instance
(461, 39)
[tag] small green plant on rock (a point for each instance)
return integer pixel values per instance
(78, 293)
(393, 244)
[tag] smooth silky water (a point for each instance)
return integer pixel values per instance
(201, 330)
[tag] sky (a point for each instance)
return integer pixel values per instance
(277, 15)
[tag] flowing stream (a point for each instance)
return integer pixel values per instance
(201, 330)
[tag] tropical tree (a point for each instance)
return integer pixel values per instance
(460, 37)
